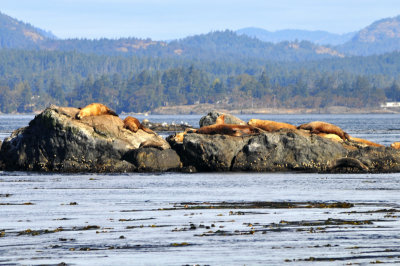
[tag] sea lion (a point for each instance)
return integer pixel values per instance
(270, 126)
(324, 127)
(395, 145)
(220, 120)
(354, 139)
(228, 129)
(134, 125)
(330, 136)
(364, 141)
(178, 137)
(95, 109)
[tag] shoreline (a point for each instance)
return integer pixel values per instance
(202, 109)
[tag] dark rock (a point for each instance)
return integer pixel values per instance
(376, 159)
(1, 160)
(212, 152)
(55, 141)
(153, 159)
(189, 169)
(284, 150)
(211, 117)
(280, 151)
(349, 164)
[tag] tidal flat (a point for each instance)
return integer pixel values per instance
(199, 219)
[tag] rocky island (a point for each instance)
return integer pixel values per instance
(57, 141)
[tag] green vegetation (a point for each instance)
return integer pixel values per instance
(31, 80)
(136, 75)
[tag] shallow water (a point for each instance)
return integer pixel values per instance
(204, 218)
(215, 219)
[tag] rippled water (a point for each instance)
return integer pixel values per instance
(191, 219)
(204, 218)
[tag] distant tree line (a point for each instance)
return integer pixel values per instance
(32, 80)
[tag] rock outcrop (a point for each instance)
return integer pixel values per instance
(154, 160)
(211, 118)
(285, 150)
(56, 141)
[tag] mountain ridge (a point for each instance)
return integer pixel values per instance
(18, 34)
(382, 36)
(317, 36)
(210, 46)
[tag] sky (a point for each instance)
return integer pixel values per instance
(174, 19)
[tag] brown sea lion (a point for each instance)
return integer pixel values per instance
(270, 126)
(95, 109)
(330, 136)
(323, 127)
(178, 137)
(364, 141)
(229, 129)
(358, 140)
(134, 125)
(395, 145)
(220, 120)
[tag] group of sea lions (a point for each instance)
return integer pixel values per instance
(96, 109)
(256, 126)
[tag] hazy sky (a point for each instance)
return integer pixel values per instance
(170, 19)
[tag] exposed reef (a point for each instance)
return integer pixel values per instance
(56, 141)
(284, 150)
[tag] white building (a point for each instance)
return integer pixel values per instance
(390, 105)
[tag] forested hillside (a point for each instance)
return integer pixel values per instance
(380, 37)
(220, 44)
(221, 68)
(144, 83)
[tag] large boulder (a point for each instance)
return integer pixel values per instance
(56, 141)
(211, 118)
(154, 160)
(371, 159)
(285, 150)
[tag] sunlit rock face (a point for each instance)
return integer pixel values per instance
(282, 150)
(56, 141)
(211, 119)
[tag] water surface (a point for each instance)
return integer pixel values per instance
(214, 219)
(204, 218)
